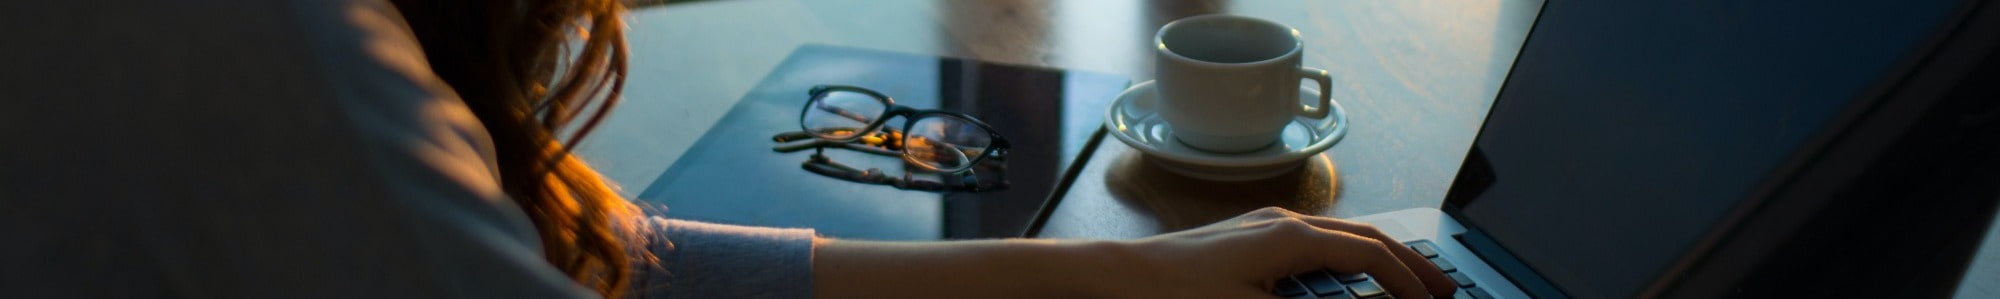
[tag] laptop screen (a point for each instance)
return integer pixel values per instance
(1625, 129)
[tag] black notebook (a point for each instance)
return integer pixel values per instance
(733, 176)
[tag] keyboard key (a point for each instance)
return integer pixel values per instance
(1352, 277)
(1366, 289)
(1443, 265)
(1341, 295)
(1461, 294)
(1463, 280)
(1320, 283)
(1425, 248)
(1478, 293)
(1290, 288)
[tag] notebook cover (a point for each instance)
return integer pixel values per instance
(731, 175)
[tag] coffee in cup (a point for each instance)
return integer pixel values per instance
(1230, 84)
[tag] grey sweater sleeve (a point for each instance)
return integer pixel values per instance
(707, 260)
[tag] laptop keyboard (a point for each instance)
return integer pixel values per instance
(1328, 285)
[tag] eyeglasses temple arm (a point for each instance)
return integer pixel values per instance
(791, 136)
(841, 112)
(820, 144)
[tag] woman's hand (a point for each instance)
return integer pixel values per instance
(1242, 257)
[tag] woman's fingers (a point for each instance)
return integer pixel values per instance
(1433, 281)
(1350, 253)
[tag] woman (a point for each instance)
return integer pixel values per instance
(361, 148)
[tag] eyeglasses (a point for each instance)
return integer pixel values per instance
(935, 141)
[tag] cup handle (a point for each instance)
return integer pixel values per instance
(1325, 92)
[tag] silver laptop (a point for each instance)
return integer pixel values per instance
(1633, 144)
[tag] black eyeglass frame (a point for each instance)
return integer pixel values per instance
(910, 117)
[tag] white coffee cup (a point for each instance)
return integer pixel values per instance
(1230, 84)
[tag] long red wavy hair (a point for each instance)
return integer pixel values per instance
(530, 69)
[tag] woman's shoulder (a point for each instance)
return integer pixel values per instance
(181, 85)
(305, 140)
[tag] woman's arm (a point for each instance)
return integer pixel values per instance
(1236, 258)
(1017, 268)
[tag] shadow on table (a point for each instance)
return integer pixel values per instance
(1179, 202)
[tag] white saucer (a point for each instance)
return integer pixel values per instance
(1134, 118)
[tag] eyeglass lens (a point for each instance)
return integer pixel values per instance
(841, 114)
(945, 142)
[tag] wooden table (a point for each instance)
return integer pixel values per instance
(1417, 76)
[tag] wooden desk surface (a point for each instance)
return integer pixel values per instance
(1419, 76)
